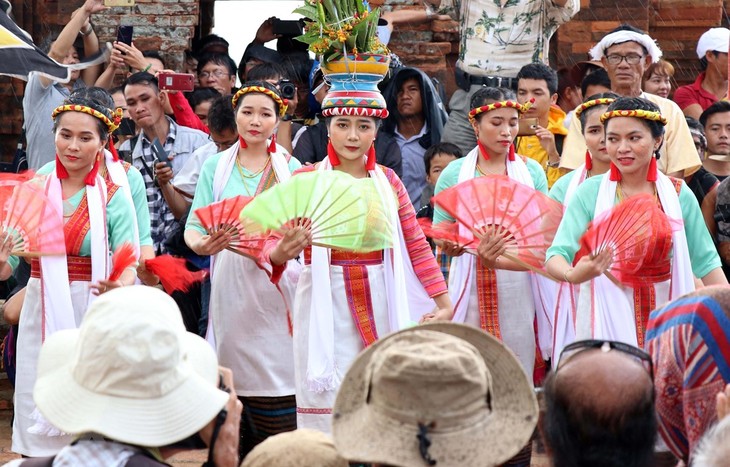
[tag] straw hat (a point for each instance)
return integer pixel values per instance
(130, 372)
(444, 391)
(295, 449)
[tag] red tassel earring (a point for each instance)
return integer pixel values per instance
(61, 171)
(370, 160)
(615, 173)
(589, 160)
(242, 142)
(332, 154)
(113, 150)
(651, 174)
(90, 178)
(483, 150)
(272, 145)
(511, 155)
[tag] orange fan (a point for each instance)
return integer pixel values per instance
(526, 218)
(33, 221)
(173, 273)
(124, 257)
(448, 231)
(225, 215)
(632, 229)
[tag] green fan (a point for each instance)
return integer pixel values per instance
(345, 213)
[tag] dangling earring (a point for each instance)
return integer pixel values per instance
(90, 178)
(651, 173)
(615, 173)
(242, 142)
(61, 171)
(511, 155)
(483, 150)
(113, 151)
(272, 145)
(589, 160)
(370, 160)
(332, 154)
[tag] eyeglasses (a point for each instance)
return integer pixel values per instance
(631, 59)
(216, 73)
(571, 350)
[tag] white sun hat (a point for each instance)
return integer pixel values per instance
(131, 372)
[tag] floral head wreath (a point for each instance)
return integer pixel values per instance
(593, 103)
(283, 103)
(521, 108)
(111, 123)
(638, 113)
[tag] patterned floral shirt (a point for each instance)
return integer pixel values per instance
(498, 37)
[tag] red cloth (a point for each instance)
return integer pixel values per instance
(693, 93)
(184, 114)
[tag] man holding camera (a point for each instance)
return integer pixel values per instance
(497, 38)
(542, 130)
(159, 151)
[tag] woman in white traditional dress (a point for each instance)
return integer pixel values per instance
(680, 252)
(97, 218)
(248, 322)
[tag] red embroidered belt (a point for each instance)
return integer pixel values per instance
(79, 268)
(348, 258)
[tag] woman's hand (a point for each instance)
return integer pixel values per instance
(439, 314)
(590, 267)
(132, 56)
(212, 244)
(104, 286)
(291, 244)
(7, 242)
(450, 248)
(492, 245)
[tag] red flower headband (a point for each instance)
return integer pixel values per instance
(595, 102)
(283, 103)
(521, 108)
(639, 113)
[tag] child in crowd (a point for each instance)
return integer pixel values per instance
(436, 158)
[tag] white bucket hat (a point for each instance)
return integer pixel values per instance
(442, 392)
(714, 40)
(130, 372)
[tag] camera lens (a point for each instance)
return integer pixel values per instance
(287, 89)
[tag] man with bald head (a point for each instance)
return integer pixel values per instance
(600, 407)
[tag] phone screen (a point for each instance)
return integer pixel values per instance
(124, 34)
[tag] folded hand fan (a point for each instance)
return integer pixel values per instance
(225, 215)
(173, 273)
(343, 212)
(33, 222)
(629, 230)
(527, 218)
(448, 231)
(125, 256)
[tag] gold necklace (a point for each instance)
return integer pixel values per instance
(620, 192)
(488, 172)
(253, 175)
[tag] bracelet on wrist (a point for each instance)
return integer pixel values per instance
(147, 68)
(88, 30)
(565, 275)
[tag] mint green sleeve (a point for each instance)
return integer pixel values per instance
(560, 187)
(47, 168)
(203, 193)
(294, 164)
(538, 176)
(119, 215)
(13, 262)
(578, 214)
(141, 207)
(448, 178)
(702, 252)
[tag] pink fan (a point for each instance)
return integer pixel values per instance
(225, 215)
(527, 218)
(33, 222)
(448, 231)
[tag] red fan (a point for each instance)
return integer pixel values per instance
(33, 221)
(527, 218)
(225, 215)
(124, 257)
(173, 273)
(632, 229)
(447, 231)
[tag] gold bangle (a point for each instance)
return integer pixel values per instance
(565, 275)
